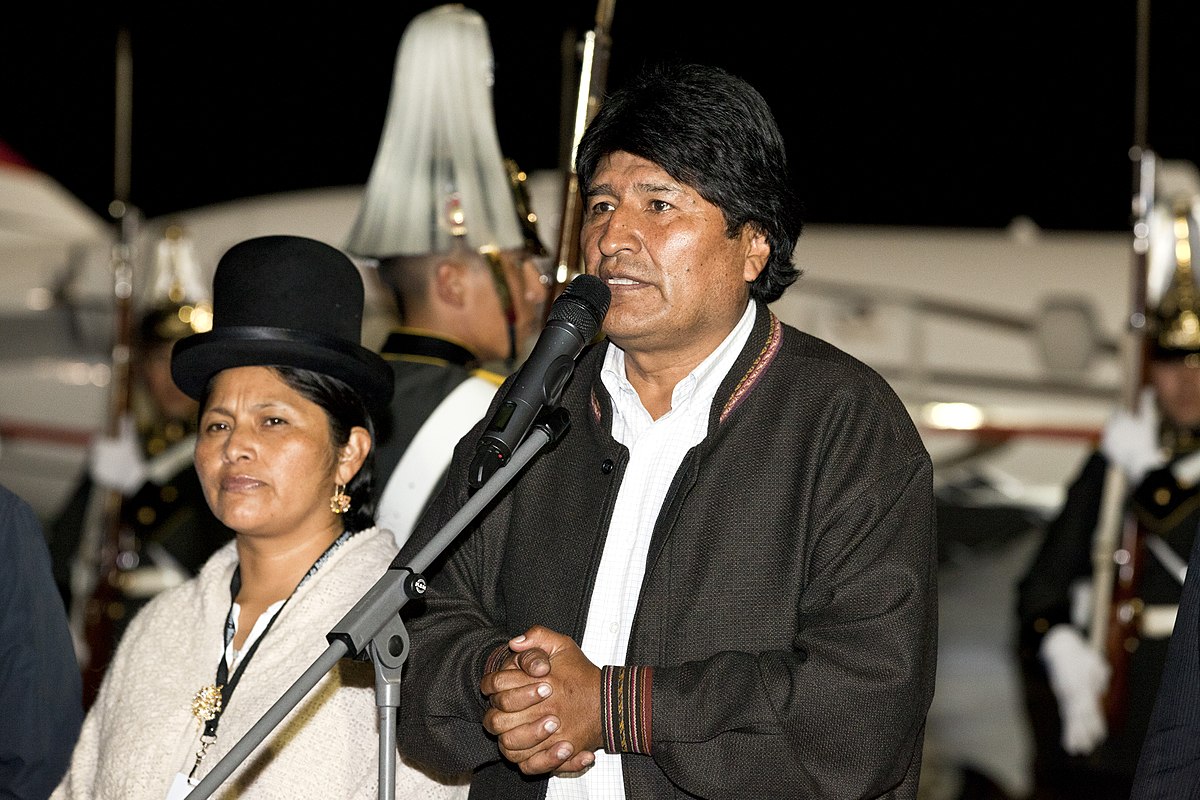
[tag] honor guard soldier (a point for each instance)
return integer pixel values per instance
(1104, 695)
(166, 528)
(445, 220)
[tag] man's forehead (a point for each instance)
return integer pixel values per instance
(623, 172)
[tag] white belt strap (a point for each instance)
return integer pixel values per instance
(1170, 560)
(170, 462)
(1157, 621)
(427, 456)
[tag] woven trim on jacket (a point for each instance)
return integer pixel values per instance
(769, 350)
(625, 708)
(765, 356)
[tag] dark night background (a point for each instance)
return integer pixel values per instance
(963, 115)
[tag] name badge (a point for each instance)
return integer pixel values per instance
(181, 787)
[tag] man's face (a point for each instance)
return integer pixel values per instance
(1177, 384)
(678, 283)
(520, 279)
(169, 399)
(529, 286)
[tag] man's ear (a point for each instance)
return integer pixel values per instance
(757, 253)
(449, 282)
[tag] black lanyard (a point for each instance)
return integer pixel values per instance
(226, 684)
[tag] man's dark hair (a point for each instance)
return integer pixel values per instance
(714, 132)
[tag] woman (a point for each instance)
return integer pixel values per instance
(284, 456)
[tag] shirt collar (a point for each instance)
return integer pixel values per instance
(702, 382)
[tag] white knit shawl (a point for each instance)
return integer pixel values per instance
(140, 731)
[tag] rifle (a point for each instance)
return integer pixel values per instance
(102, 605)
(595, 49)
(1117, 553)
(1121, 636)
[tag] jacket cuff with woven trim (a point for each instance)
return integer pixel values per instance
(625, 708)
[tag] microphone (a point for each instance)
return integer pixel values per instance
(573, 321)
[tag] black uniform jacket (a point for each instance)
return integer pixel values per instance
(1158, 505)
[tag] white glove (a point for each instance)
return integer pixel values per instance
(1079, 677)
(1130, 440)
(116, 462)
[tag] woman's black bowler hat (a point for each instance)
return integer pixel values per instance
(285, 301)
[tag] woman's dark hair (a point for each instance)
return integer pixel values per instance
(345, 410)
(714, 132)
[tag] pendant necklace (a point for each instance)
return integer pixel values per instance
(209, 701)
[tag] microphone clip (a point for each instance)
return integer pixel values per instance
(490, 457)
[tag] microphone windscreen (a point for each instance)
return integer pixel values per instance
(583, 303)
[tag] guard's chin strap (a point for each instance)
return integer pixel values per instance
(504, 292)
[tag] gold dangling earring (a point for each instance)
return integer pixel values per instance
(340, 502)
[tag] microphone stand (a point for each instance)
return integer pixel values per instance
(374, 625)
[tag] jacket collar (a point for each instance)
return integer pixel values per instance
(760, 350)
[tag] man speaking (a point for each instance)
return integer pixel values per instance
(721, 581)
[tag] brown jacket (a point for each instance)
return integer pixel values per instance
(789, 606)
